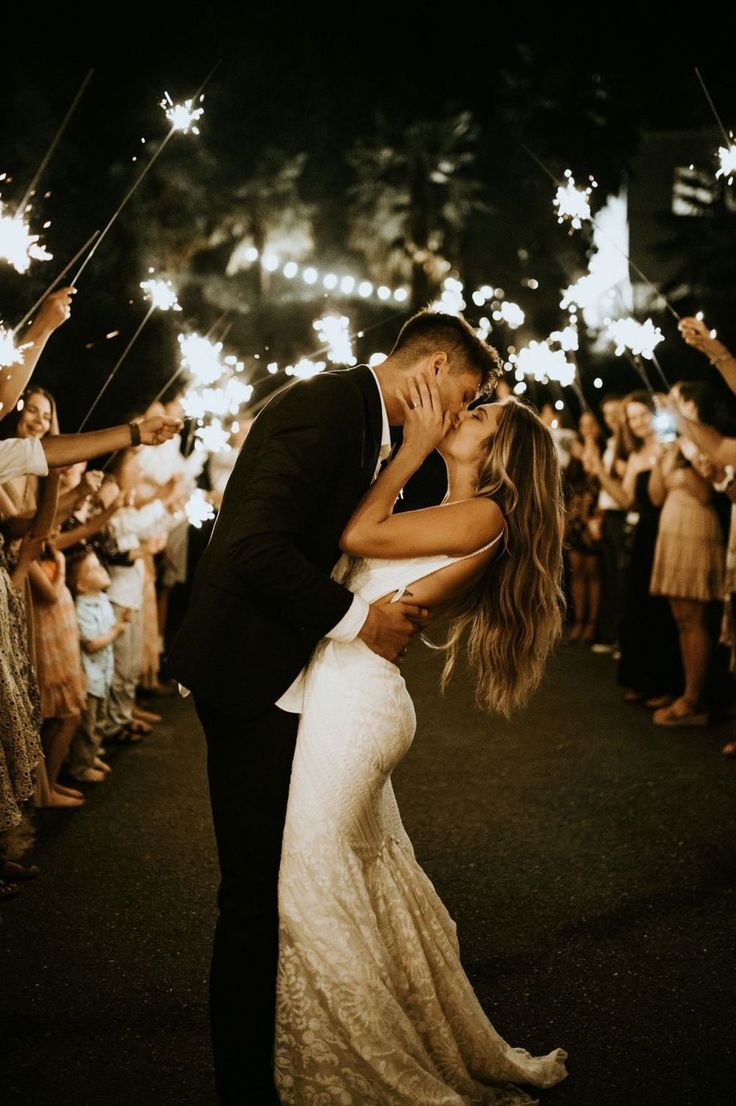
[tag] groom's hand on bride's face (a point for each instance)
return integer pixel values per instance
(389, 627)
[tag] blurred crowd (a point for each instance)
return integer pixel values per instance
(89, 559)
(651, 539)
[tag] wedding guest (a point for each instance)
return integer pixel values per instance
(98, 629)
(649, 667)
(58, 668)
(562, 436)
(583, 534)
(613, 522)
(131, 529)
(689, 562)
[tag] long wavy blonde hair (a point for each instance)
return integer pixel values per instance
(511, 621)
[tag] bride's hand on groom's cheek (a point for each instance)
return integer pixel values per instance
(390, 626)
(425, 423)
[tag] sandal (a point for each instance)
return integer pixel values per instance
(669, 716)
(658, 701)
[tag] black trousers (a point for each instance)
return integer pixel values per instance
(248, 766)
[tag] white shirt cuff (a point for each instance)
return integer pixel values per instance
(352, 622)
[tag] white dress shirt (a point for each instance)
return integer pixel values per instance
(19, 456)
(352, 621)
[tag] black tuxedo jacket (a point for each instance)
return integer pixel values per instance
(262, 596)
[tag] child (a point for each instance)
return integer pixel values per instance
(98, 629)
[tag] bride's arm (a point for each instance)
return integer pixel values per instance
(454, 529)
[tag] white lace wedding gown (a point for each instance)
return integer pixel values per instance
(374, 1008)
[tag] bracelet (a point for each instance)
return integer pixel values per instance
(726, 356)
(135, 433)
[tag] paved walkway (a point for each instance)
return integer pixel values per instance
(587, 856)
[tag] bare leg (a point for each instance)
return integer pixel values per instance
(56, 736)
(578, 592)
(695, 645)
(593, 584)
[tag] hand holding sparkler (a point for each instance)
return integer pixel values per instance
(698, 335)
(21, 361)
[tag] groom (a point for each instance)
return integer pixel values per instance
(262, 599)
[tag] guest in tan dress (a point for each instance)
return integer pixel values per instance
(689, 560)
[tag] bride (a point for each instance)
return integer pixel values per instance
(373, 1006)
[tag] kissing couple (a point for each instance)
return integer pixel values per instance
(336, 975)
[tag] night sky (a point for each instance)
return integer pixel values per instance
(302, 80)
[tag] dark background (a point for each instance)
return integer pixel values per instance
(581, 89)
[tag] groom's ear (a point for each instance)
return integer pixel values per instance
(439, 361)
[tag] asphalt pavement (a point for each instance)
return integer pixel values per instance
(588, 857)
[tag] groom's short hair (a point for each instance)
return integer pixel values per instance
(429, 331)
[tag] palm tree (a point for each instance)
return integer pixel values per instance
(270, 217)
(412, 199)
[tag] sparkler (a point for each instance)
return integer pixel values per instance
(213, 438)
(57, 280)
(334, 330)
(54, 143)
(573, 203)
(183, 120)
(727, 153)
(163, 298)
(542, 363)
(201, 357)
(198, 509)
(641, 339)
(17, 245)
(511, 314)
(10, 354)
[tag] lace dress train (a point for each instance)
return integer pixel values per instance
(374, 1008)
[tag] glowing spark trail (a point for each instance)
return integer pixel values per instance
(183, 117)
(641, 339)
(161, 294)
(201, 357)
(198, 509)
(573, 203)
(17, 245)
(9, 353)
(727, 156)
(334, 331)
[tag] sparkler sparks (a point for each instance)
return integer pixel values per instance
(573, 203)
(183, 117)
(161, 294)
(201, 357)
(334, 332)
(17, 245)
(542, 363)
(511, 314)
(727, 158)
(10, 354)
(213, 438)
(198, 509)
(640, 339)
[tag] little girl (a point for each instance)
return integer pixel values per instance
(58, 667)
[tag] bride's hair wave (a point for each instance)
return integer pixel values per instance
(512, 620)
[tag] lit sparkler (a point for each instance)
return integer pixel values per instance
(198, 509)
(727, 158)
(451, 302)
(573, 203)
(566, 339)
(511, 314)
(201, 358)
(306, 369)
(542, 363)
(17, 245)
(334, 332)
(183, 117)
(213, 438)
(161, 294)
(640, 339)
(10, 354)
